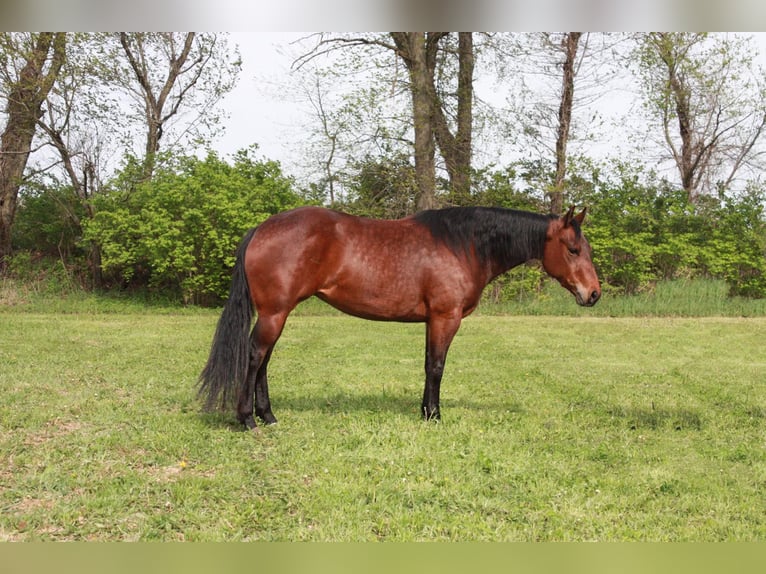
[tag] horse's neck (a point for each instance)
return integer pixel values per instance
(512, 250)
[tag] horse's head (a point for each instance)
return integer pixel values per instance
(567, 258)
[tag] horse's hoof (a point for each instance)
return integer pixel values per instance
(433, 416)
(268, 419)
(249, 423)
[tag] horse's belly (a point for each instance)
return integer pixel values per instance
(385, 303)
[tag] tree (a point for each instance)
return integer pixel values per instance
(709, 103)
(456, 148)
(357, 107)
(74, 127)
(32, 64)
(569, 43)
(418, 50)
(167, 74)
(330, 131)
(554, 81)
(428, 58)
(383, 187)
(87, 115)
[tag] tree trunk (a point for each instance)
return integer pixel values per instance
(456, 149)
(85, 187)
(690, 162)
(686, 165)
(680, 98)
(569, 45)
(463, 151)
(412, 47)
(23, 109)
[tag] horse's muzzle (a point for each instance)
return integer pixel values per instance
(590, 301)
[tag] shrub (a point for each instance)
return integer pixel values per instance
(643, 229)
(48, 221)
(736, 249)
(179, 231)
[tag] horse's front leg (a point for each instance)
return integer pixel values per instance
(440, 331)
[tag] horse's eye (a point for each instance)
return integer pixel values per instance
(574, 250)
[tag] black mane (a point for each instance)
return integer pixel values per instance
(503, 237)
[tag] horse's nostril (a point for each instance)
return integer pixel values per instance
(594, 297)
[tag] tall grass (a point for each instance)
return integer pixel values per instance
(678, 298)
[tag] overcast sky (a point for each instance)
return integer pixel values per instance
(257, 113)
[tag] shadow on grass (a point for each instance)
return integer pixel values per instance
(675, 418)
(338, 403)
(220, 420)
(403, 404)
(408, 406)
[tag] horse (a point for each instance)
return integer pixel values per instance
(430, 267)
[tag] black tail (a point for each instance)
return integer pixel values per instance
(226, 369)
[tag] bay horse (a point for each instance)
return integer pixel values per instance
(430, 267)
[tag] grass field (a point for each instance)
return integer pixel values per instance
(555, 428)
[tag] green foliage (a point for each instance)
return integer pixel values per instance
(737, 247)
(520, 284)
(383, 187)
(643, 230)
(30, 276)
(48, 221)
(176, 233)
(179, 231)
(511, 188)
(619, 230)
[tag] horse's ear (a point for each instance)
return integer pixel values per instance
(581, 216)
(568, 216)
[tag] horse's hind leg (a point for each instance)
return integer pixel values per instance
(262, 340)
(245, 401)
(262, 401)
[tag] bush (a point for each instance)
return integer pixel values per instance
(41, 275)
(48, 221)
(179, 231)
(737, 245)
(642, 230)
(519, 284)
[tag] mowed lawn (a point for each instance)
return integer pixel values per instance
(574, 428)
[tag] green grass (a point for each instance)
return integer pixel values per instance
(555, 428)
